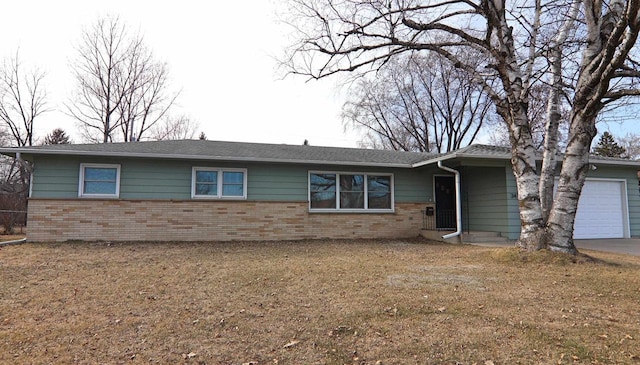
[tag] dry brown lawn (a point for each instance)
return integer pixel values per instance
(347, 302)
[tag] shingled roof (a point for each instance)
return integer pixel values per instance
(278, 153)
(233, 151)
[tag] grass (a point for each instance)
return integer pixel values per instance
(349, 302)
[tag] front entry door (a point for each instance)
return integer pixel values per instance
(445, 194)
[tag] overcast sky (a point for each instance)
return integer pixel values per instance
(220, 54)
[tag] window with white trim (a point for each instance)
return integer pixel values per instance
(350, 191)
(99, 181)
(218, 183)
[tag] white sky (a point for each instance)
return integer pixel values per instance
(221, 54)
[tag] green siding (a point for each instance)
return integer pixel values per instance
(277, 182)
(57, 177)
(154, 179)
(485, 197)
(414, 186)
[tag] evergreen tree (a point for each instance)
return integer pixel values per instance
(57, 136)
(608, 147)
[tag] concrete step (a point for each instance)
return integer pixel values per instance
(483, 237)
(437, 236)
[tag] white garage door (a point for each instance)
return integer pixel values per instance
(601, 210)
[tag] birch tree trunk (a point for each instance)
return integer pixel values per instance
(513, 108)
(554, 115)
(550, 152)
(527, 179)
(523, 163)
(610, 38)
(575, 167)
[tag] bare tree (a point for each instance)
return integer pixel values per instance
(172, 128)
(99, 73)
(631, 143)
(537, 113)
(517, 42)
(122, 91)
(418, 103)
(22, 101)
(147, 100)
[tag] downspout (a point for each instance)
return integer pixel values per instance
(458, 202)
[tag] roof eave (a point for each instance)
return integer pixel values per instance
(615, 162)
(12, 151)
(29, 151)
(460, 155)
(433, 160)
(508, 157)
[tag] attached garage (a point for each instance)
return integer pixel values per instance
(602, 210)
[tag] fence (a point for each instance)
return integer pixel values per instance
(443, 219)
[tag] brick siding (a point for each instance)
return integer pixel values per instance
(51, 220)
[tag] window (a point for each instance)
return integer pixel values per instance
(350, 192)
(99, 180)
(233, 183)
(379, 192)
(218, 183)
(206, 183)
(322, 191)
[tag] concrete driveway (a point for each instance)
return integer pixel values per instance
(629, 246)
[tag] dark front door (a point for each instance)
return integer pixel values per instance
(445, 194)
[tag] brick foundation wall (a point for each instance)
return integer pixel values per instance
(52, 220)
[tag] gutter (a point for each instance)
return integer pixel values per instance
(458, 231)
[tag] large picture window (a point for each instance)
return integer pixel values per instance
(350, 191)
(99, 180)
(216, 183)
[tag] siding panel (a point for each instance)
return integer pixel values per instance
(414, 185)
(57, 177)
(485, 197)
